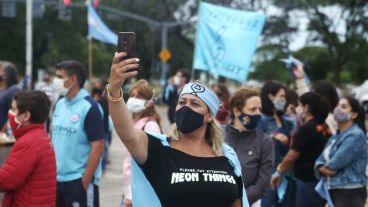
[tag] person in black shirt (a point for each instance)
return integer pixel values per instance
(306, 146)
(192, 167)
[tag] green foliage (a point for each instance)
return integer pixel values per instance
(317, 62)
(338, 56)
(12, 39)
(55, 40)
(341, 36)
(268, 65)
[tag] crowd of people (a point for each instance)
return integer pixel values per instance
(274, 146)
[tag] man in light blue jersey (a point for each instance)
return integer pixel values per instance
(78, 138)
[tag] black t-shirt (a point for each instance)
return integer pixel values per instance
(309, 141)
(182, 180)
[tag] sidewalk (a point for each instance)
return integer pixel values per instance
(111, 186)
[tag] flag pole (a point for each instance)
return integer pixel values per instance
(90, 60)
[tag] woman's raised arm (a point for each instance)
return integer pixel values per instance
(135, 140)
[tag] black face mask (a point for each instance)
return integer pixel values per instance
(249, 121)
(187, 120)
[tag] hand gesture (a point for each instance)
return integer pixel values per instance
(85, 183)
(298, 71)
(121, 70)
(275, 180)
(281, 137)
(327, 172)
(128, 203)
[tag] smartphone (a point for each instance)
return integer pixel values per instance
(126, 43)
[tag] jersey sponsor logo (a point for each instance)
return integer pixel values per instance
(74, 118)
(63, 130)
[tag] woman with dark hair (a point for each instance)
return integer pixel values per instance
(278, 126)
(324, 88)
(344, 159)
(292, 103)
(8, 87)
(306, 146)
(327, 90)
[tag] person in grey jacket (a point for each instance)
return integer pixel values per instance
(255, 149)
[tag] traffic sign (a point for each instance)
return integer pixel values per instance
(165, 55)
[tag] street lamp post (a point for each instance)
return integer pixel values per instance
(29, 48)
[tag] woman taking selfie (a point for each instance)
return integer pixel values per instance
(344, 158)
(192, 167)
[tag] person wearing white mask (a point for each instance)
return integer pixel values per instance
(172, 91)
(144, 116)
(78, 138)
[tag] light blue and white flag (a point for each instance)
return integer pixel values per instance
(226, 40)
(98, 30)
(291, 62)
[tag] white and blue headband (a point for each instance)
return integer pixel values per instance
(205, 94)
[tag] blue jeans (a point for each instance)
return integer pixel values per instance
(306, 196)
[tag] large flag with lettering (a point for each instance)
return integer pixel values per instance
(226, 40)
(98, 30)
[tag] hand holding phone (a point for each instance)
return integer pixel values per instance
(127, 43)
(121, 71)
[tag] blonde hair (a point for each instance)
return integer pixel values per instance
(214, 136)
(145, 90)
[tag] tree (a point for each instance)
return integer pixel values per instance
(344, 32)
(317, 62)
(267, 64)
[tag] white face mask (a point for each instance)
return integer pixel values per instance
(58, 84)
(300, 111)
(136, 105)
(176, 80)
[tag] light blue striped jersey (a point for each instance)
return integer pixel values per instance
(75, 124)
